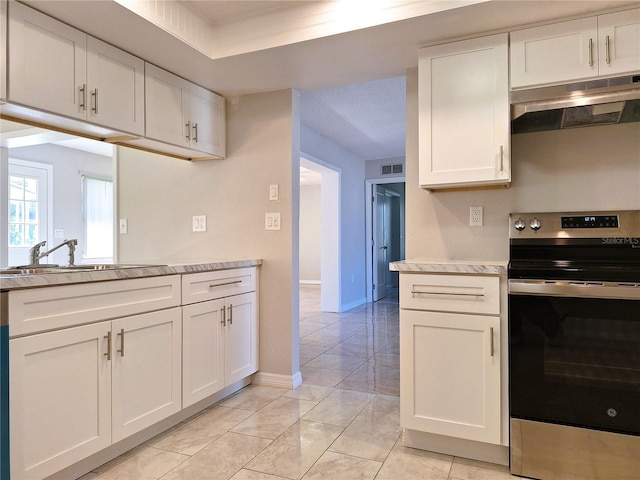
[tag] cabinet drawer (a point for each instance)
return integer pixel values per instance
(450, 293)
(50, 308)
(200, 287)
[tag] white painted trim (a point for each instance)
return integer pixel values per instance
(368, 193)
(330, 259)
(354, 304)
(310, 282)
(277, 380)
(459, 447)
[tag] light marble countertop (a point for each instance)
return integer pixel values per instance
(421, 265)
(13, 282)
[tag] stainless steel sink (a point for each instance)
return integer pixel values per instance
(48, 269)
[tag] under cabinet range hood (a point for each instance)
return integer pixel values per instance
(584, 104)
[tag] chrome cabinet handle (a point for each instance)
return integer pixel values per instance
(108, 352)
(94, 95)
(195, 131)
(213, 285)
(591, 52)
(188, 125)
(224, 317)
(492, 346)
(455, 294)
(230, 314)
(121, 335)
(607, 45)
(83, 91)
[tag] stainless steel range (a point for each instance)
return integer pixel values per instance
(574, 329)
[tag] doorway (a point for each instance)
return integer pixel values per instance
(385, 234)
(326, 251)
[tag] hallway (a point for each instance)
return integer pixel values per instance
(355, 350)
(342, 423)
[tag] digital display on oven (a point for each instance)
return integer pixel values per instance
(591, 221)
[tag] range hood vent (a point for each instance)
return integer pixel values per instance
(584, 104)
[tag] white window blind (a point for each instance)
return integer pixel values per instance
(98, 217)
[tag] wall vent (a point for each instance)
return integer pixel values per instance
(391, 169)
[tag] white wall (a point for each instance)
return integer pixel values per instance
(69, 165)
(352, 214)
(159, 195)
(310, 233)
(593, 168)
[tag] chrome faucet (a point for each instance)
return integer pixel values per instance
(35, 255)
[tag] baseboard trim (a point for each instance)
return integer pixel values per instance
(484, 452)
(349, 306)
(277, 380)
(310, 282)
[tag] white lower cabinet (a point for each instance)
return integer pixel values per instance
(451, 358)
(77, 390)
(451, 375)
(220, 336)
(146, 371)
(60, 399)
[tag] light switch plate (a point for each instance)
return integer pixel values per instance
(272, 221)
(274, 193)
(199, 223)
(58, 233)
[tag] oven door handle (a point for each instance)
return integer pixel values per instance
(575, 289)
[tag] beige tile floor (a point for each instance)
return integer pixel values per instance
(341, 423)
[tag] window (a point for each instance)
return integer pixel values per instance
(24, 215)
(98, 218)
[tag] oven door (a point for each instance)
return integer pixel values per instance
(575, 353)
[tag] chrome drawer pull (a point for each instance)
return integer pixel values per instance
(461, 294)
(235, 282)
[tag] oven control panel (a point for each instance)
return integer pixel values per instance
(590, 221)
(567, 225)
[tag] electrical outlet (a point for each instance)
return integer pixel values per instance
(124, 226)
(475, 216)
(199, 223)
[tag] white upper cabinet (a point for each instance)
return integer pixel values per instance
(183, 114)
(115, 83)
(3, 51)
(606, 45)
(58, 69)
(464, 113)
(48, 63)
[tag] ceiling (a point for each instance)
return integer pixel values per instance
(350, 73)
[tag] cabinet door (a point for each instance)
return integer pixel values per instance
(241, 337)
(464, 113)
(60, 399)
(202, 351)
(115, 82)
(552, 54)
(47, 67)
(619, 42)
(146, 370)
(3, 51)
(450, 374)
(167, 107)
(207, 115)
